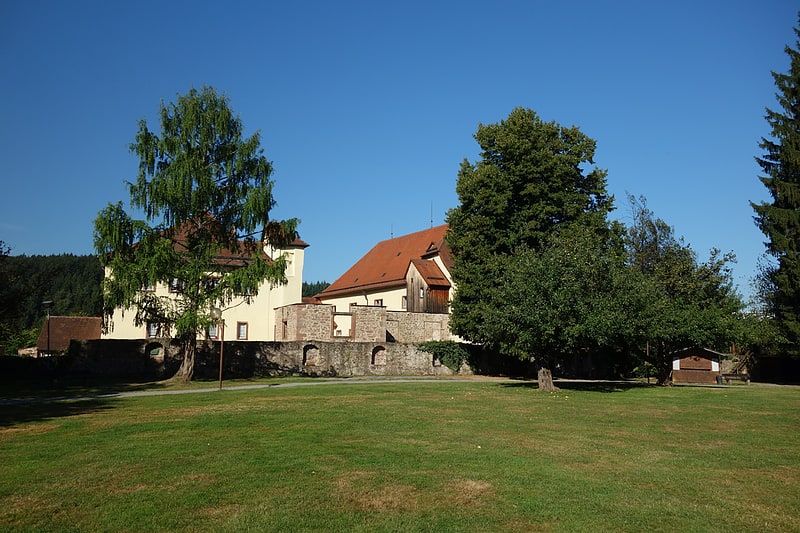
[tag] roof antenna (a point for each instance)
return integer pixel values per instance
(391, 231)
(431, 214)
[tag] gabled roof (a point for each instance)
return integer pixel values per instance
(430, 272)
(226, 257)
(698, 351)
(386, 264)
(65, 328)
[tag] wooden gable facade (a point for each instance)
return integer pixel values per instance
(695, 365)
(428, 289)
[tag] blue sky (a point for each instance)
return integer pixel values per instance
(368, 108)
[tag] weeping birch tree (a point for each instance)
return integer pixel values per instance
(203, 192)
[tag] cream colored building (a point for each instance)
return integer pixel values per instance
(408, 273)
(252, 322)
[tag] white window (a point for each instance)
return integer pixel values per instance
(213, 331)
(405, 302)
(149, 287)
(243, 292)
(241, 331)
(211, 283)
(176, 286)
(379, 301)
(152, 330)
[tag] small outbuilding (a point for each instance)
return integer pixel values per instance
(58, 331)
(695, 365)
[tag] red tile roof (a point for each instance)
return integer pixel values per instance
(225, 256)
(65, 328)
(431, 273)
(385, 266)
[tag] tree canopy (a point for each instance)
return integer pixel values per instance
(204, 189)
(529, 180)
(541, 272)
(570, 297)
(779, 219)
(313, 288)
(71, 282)
(682, 302)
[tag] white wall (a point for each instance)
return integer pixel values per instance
(392, 299)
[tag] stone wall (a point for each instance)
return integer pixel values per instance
(370, 324)
(417, 327)
(153, 360)
(343, 358)
(303, 321)
(106, 358)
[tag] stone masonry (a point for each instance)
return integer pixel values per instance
(242, 359)
(369, 323)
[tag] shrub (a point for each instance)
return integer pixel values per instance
(450, 353)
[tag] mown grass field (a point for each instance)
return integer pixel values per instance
(444, 456)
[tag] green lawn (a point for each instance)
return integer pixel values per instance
(447, 456)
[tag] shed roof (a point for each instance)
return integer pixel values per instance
(696, 351)
(63, 329)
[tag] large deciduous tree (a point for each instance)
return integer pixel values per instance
(570, 297)
(530, 179)
(779, 219)
(683, 302)
(204, 191)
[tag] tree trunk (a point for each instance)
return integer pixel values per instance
(186, 371)
(664, 366)
(545, 379)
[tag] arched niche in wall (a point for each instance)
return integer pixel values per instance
(378, 356)
(310, 355)
(155, 351)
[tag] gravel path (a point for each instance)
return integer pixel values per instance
(340, 381)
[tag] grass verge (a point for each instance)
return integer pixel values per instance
(446, 456)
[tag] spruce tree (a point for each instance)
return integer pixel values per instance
(779, 219)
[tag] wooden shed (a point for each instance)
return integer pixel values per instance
(58, 331)
(695, 365)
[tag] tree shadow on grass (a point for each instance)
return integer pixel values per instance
(47, 388)
(13, 413)
(586, 386)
